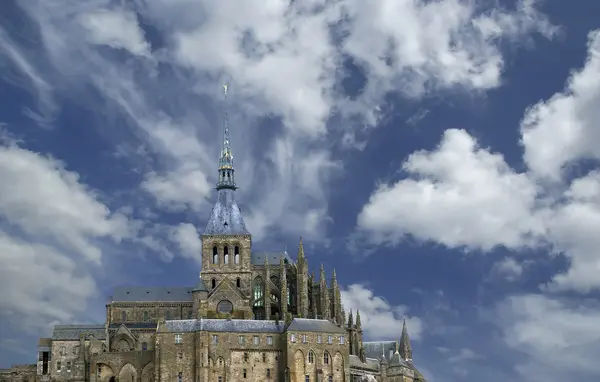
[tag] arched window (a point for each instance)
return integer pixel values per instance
(124, 316)
(215, 255)
(311, 357)
(236, 255)
(326, 358)
(226, 255)
(238, 282)
(258, 290)
(213, 283)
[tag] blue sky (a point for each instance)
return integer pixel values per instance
(441, 155)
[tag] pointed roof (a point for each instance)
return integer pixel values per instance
(301, 250)
(405, 347)
(200, 287)
(226, 217)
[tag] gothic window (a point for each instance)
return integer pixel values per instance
(58, 366)
(215, 258)
(123, 316)
(245, 374)
(226, 255)
(144, 346)
(236, 255)
(307, 378)
(238, 282)
(330, 379)
(326, 358)
(180, 377)
(146, 316)
(213, 283)
(69, 367)
(258, 290)
(311, 357)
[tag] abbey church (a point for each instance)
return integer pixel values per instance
(250, 316)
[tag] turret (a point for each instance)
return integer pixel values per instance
(267, 296)
(283, 298)
(302, 282)
(325, 301)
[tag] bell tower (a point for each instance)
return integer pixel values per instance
(226, 242)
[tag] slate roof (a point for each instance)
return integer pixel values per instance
(136, 325)
(370, 364)
(140, 293)
(200, 286)
(226, 217)
(373, 349)
(258, 258)
(220, 325)
(73, 332)
(313, 325)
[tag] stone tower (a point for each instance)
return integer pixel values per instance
(226, 242)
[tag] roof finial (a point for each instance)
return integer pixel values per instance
(226, 170)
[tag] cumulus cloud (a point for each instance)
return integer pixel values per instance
(508, 268)
(462, 195)
(562, 130)
(458, 195)
(380, 320)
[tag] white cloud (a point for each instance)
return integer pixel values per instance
(560, 338)
(563, 129)
(508, 268)
(379, 319)
(457, 195)
(115, 28)
(43, 199)
(186, 236)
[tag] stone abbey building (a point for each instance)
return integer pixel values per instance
(251, 316)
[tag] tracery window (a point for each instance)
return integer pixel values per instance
(326, 358)
(311, 357)
(258, 290)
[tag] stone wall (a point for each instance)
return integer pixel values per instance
(326, 360)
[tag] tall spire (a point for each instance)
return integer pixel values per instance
(226, 170)
(405, 348)
(226, 217)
